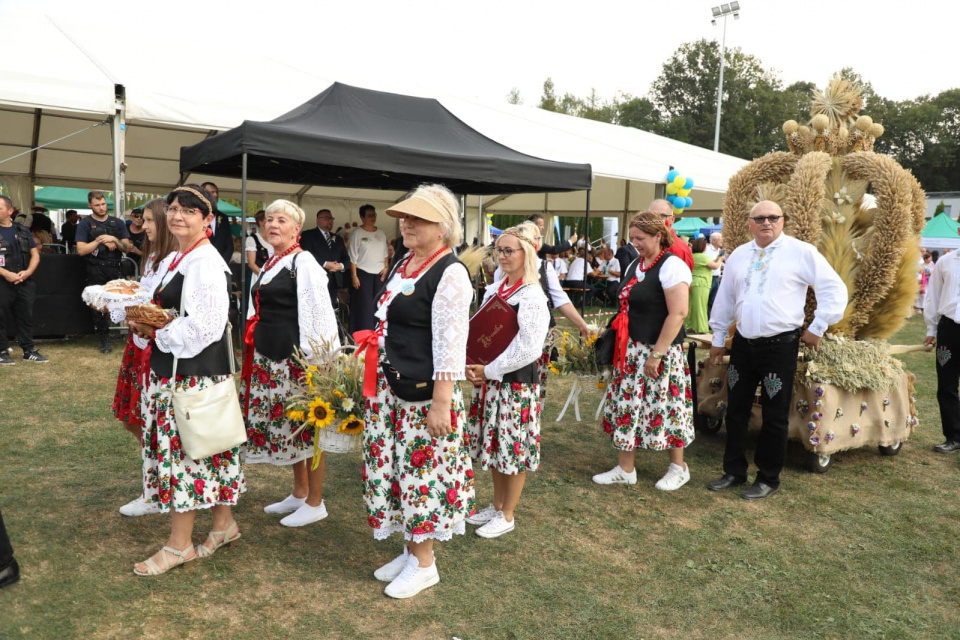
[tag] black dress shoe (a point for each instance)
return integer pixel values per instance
(726, 482)
(10, 574)
(947, 447)
(759, 491)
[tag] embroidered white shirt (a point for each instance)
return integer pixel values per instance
(533, 316)
(943, 292)
(764, 290)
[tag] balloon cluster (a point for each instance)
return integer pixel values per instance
(678, 191)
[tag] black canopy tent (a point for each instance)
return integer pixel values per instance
(360, 138)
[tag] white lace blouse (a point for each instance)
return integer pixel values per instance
(450, 319)
(314, 309)
(205, 302)
(534, 319)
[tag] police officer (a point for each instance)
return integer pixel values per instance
(19, 258)
(102, 240)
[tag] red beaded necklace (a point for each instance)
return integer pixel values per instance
(177, 259)
(413, 276)
(505, 292)
(655, 260)
(277, 257)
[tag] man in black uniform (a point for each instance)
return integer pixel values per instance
(102, 239)
(19, 258)
(555, 249)
(222, 237)
(329, 250)
(68, 230)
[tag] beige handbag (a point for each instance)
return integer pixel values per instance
(209, 420)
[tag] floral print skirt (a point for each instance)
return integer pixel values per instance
(170, 478)
(126, 399)
(413, 483)
(505, 431)
(268, 428)
(640, 412)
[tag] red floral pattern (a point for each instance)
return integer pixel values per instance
(126, 399)
(170, 478)
(505, 432)
(646, 413)
(414, 483)
(268, 428)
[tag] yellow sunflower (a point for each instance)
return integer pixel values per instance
(297, 416)
(320, 414)
(339, 394)
(351, 426)
(553, 368)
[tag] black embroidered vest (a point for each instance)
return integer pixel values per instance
(278, 330)
(648, 304)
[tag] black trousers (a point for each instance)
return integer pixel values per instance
(714, 285)
(772, 363)
(6, 549)
(363, 302)
(102, 274)
(16, 304)
(948, 377)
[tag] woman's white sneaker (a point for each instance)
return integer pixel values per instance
(390, 571)
(616, 476)
(287, 505)
(139, 507)
(413, 579)
(482, 517)
(675, 477)
(497, 526)
(305, 515)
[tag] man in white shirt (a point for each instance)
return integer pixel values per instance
(764, 288)
(714, 250)
(941, 312)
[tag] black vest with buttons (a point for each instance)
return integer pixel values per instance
(212, 361)
(648, 304)
(110, 226)
(409, 339)
(278, 330)
(16, 258)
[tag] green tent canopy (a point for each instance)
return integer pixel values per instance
(65, 198)
(689, 226)
(940, 232)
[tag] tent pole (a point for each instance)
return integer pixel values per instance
(119, 128)
(243, 261)
(586, 255)
(481, 237)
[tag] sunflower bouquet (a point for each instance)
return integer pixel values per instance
(330, 399)
(575, 354)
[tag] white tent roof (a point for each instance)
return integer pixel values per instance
(68, 84)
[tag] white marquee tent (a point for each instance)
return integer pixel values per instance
(91, 108)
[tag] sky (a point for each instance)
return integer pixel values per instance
(483, 50)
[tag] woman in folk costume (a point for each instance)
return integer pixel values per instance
(196, 280)
(417, 476)
(649, 401)
(158, 245)
(504, 417)
(290, 308)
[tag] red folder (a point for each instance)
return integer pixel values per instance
(492, 328)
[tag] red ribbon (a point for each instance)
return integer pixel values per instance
(144, 373)
(368, 343)
(621, 324)
(247, 371)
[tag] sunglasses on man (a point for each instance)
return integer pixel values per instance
(770, 219)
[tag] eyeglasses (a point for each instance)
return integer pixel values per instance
(172, 211)
(666, 216)
(136, 215)
(770, 219)
(506, 251)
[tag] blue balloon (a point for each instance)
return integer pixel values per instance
(688, 184)
(671, 198)
(672, 175)
(689, 202)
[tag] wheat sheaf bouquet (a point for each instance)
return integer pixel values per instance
(575, 354)
(329, 399)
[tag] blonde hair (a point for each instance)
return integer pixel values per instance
(288, 208)
(651, 224)
(523, 234)
(443, 200)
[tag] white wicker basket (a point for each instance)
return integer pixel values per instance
(331, 441)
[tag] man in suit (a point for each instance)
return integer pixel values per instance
(555, 249)
(329, 250)
(625, 255)
(222, 237)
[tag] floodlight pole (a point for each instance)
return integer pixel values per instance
(243, 262)
(723, 42)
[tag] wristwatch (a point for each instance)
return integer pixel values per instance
(656, 355)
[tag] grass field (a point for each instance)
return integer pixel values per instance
(867, 550)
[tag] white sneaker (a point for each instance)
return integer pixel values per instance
(139, 507)
(482, 517)
(413, 579)
(305, 515)
(616, 476)
(287, 505)
(497, 526)
(675, 478)
(390, 571)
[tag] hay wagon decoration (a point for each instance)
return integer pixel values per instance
(864, 212)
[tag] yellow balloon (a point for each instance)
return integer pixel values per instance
(679, 181)
(683, 193)
(672, 189)
(677, 211)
